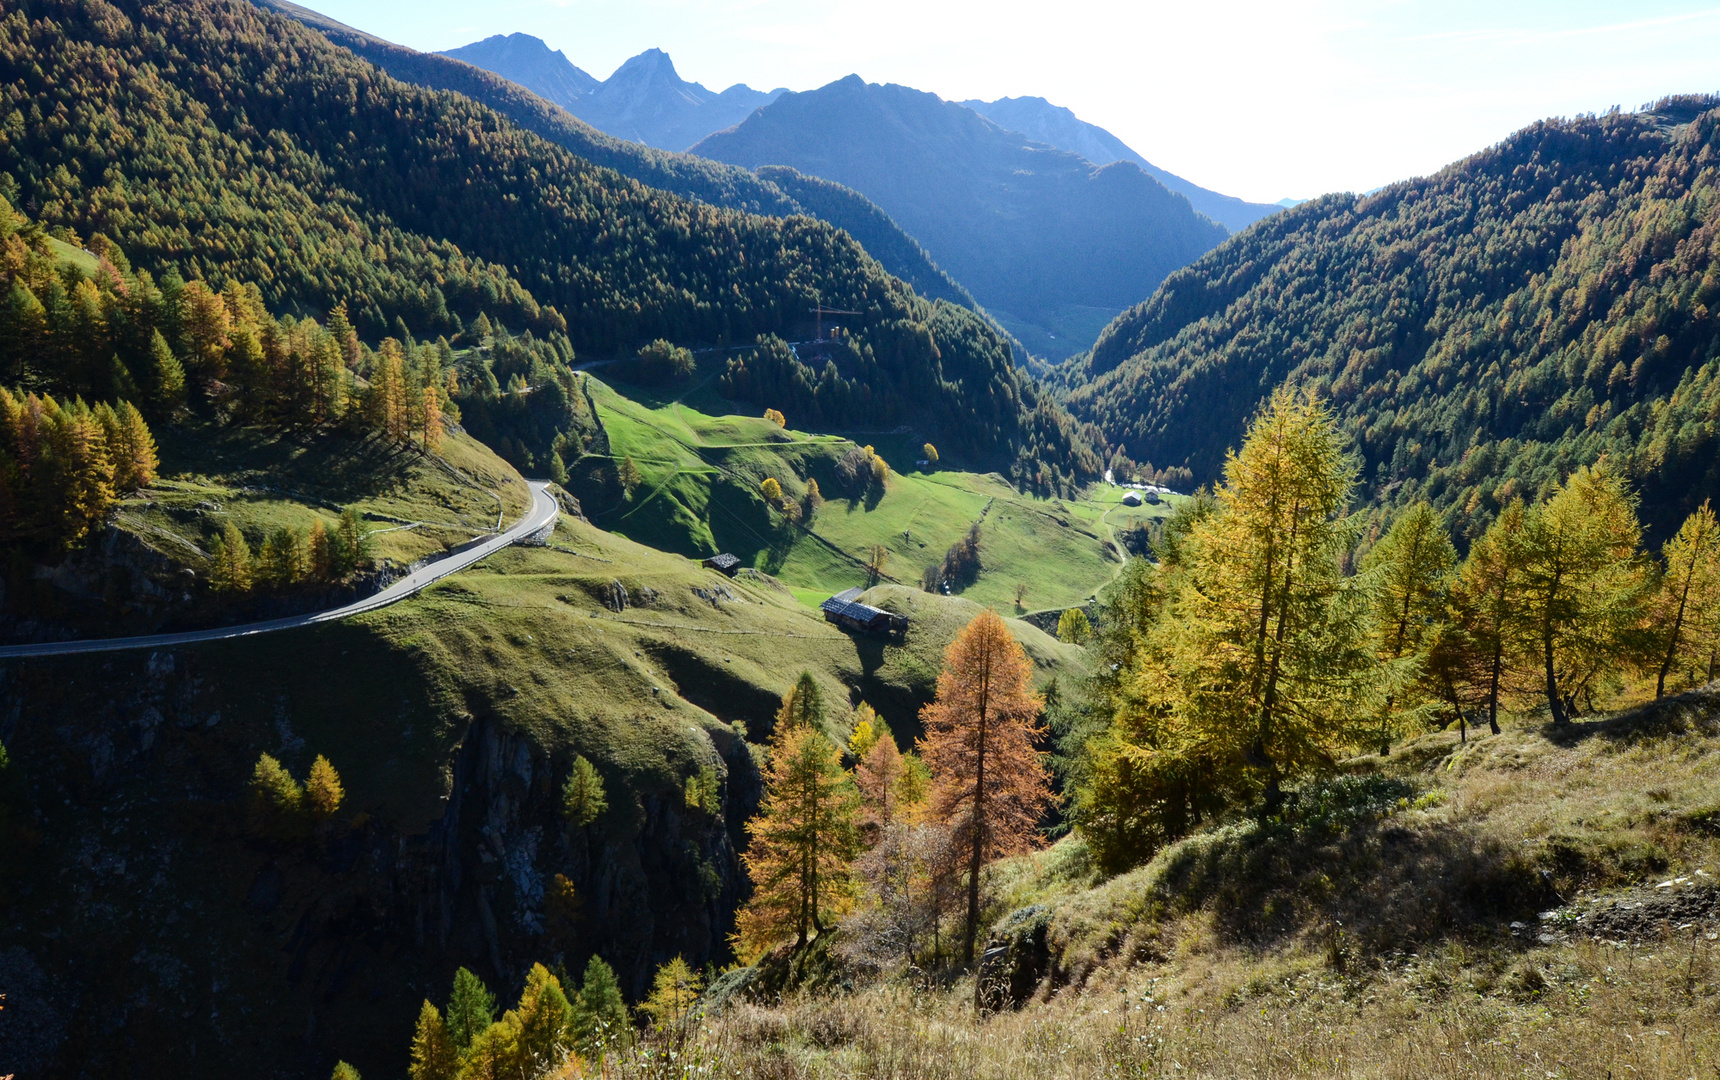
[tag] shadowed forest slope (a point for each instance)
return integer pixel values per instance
(730, 186)
(1029, 229)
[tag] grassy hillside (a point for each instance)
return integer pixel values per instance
(702, 467)
(149, 571)
(1481, 331)
(1522, 904)
(453, 719)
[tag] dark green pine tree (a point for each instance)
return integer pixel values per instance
(471, 1009)
(600, 1016)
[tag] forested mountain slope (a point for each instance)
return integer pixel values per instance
(1060, 127)
(1480, 331)
(1030, 230)
(699, 178)
(222, 140)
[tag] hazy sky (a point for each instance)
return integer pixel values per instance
(1262, 100)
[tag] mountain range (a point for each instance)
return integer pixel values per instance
(645, 100)
(682, 174)
(1040, 236)
(1059, 127)
(647, 87)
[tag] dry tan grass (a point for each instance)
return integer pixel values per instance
(1225, 956)
(1568, 1012)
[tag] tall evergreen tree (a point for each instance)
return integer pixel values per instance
(582, 797)
(230, 561)
(471, 1009)
(600, 1015)
(166, 377)
(802, 706)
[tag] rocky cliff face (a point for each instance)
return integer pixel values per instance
(150, 930)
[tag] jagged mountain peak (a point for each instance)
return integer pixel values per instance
(644, 100)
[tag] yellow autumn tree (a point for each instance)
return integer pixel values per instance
(1686, 608)
(323, 790)
(1412, 567)
(1582, 586)
(434, 1056)
(1256, 663)
(800, 843)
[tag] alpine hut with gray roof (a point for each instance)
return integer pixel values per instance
(847, 612)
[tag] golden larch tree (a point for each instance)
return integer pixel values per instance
(1583, 583)
(1687, 605)
(1264, 656)
(801, 842)
(990, 783)
(1412, 567)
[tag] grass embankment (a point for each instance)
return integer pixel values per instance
(1536, 903)
(702, 467)
(263, 479)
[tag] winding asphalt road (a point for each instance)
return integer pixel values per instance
(542, 515)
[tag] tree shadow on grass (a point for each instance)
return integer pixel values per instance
(1387, 885)
(332, 466)
(1695, 711)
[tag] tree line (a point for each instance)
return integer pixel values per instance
(173, 348)
(62, 467)
(1275, 635)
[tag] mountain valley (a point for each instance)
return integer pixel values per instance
(1008, 611)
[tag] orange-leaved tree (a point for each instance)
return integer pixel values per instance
(802, 841)
(990, 784)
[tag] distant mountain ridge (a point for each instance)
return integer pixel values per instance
(1060, 127)
(1042, 237)
(645, 100)
(530, 62)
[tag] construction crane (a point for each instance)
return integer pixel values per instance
(820, 311)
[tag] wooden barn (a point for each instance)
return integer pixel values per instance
(723, 564)
(849, 614)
